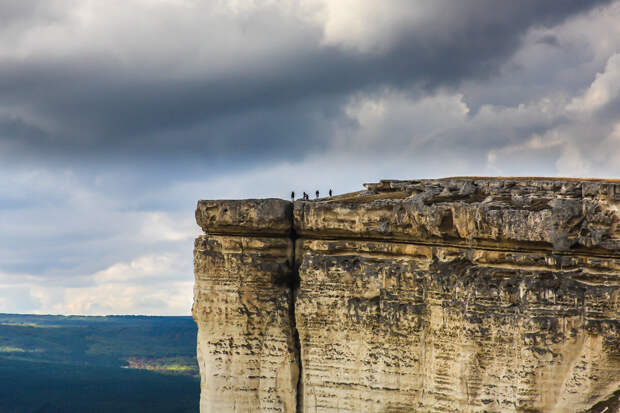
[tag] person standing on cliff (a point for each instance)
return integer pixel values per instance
(317, 193)
(292, 195)
(330, 192)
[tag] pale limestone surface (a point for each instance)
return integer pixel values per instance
(455, 295)
(400, 328)
(249, 216)
(563, 215)
(242, 304)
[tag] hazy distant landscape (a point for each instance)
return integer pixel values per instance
(97, 364)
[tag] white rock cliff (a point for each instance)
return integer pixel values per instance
(450, 295)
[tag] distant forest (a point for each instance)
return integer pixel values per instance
(58, 364)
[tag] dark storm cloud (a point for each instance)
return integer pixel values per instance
(93, 103)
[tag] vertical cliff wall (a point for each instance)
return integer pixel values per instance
(468, 295)
(243, 307)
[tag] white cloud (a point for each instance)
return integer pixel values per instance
(169, 39)
(173, 298)
(396, 122)
(153, 284)
(160, 226)
(604, 89)
(368, 26)
(147, 268)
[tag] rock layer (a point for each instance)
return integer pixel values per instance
(243, 304)
(462, 294)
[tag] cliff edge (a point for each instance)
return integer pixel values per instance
(449, 295)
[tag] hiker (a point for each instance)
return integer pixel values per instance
(330, 192)
(292, 195)
(317, 193)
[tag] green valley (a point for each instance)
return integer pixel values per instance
(97, 364)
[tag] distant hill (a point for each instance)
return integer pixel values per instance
(97, 364)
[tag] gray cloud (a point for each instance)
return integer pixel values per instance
(115, 118)
(16, 15)
(236, 101)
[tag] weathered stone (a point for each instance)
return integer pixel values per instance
(461, 294)
(506, 213)
(249, 216)
(246, 348)
(390, 327)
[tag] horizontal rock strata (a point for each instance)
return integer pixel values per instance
(462, 294)
(242, 306)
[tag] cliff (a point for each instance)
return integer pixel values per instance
(450, 295)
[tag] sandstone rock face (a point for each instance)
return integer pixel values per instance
(242, 304)
(251, 216)
(453, 295)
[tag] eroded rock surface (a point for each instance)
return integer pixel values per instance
(242, 304)
(455, 295)
(250, 216)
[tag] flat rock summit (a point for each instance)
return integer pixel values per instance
(465, 294)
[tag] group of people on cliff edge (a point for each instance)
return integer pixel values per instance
(306, 197)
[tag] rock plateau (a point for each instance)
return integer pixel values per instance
(447, 295)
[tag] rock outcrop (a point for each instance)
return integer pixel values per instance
(450, 295)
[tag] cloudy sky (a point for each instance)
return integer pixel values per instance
(116, 116)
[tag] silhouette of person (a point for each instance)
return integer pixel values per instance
(292, 195)
(317, 193)
(330, 192)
